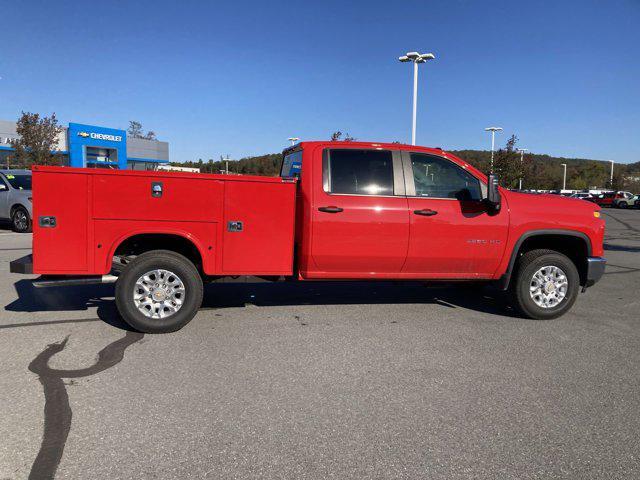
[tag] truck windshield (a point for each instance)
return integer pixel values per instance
(19, 182)
(292, 165)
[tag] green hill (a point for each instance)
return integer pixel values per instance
(543, 171)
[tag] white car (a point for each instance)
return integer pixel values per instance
(626, 200)
(15, 198)
(582, 195)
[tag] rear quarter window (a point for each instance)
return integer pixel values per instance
(292, 165)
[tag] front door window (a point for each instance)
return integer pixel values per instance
(436, 177)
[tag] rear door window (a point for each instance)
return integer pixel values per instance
(359, 172)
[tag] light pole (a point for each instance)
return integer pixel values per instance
(493, 131)
(564, 176)
(611, 179)
(416, 58)
(293, 140)
(521, 150)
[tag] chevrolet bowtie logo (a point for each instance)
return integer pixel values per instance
(83, 134)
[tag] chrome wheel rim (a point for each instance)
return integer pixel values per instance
(20, 220)
(548, 286)
(158, 294)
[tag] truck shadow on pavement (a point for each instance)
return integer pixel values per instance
(620, 248)
(232, 295)
(61, 299)
(472, 297)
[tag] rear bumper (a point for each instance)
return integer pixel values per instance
(22, 265)
(595, 269)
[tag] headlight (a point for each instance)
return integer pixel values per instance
(596, 214)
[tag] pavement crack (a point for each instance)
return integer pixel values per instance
(57, 410)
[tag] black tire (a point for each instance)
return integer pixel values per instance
(147, 262)
(20, 220)
(623, 204)
(521, 282)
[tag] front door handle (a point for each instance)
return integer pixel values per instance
(427, 212)
(331, 209)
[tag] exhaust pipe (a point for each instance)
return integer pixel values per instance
(70, 281)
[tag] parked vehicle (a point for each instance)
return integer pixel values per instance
(15, 199)
(625, 200)
(604, 199)
(582, 196)
(339, 211)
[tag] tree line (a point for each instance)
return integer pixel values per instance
(39, 137)
(538, 171)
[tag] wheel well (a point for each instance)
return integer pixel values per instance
(574, 247)
(14, 207)
(138, 244)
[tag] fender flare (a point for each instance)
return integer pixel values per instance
(505, 279)
(150, 231)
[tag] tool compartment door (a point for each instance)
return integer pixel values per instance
(60, 222)
(258, 228)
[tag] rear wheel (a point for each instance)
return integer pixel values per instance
(545, 285)
(623, 204)
(20, 220)
(159, 292)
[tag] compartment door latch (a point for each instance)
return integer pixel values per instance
(156, 189)
(234, 226)
(47, 222)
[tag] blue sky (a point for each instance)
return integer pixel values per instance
(240, 77)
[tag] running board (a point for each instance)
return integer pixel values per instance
(70, 281)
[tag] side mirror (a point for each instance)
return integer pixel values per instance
(493, 199)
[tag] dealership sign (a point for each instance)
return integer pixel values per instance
(101, 136)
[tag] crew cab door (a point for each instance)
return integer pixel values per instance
(452, 234)
(360, 221)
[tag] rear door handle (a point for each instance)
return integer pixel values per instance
(426, 212)
(331, 209)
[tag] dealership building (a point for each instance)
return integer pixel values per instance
(92, 146)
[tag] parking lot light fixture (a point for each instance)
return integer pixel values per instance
(293, 140)
(416, 58)
(521, 150)
(611, 179)
(493, 131)
(564, 176)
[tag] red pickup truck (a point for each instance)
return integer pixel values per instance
(339, 211)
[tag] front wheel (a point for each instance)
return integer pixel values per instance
(545, 285)
(622, 205)
(159, 292)
(20, 220)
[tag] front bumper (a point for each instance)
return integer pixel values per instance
(595, 270)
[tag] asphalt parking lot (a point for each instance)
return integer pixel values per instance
(331, 380)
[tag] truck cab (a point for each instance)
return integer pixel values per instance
(372, 211)
(339, 211)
